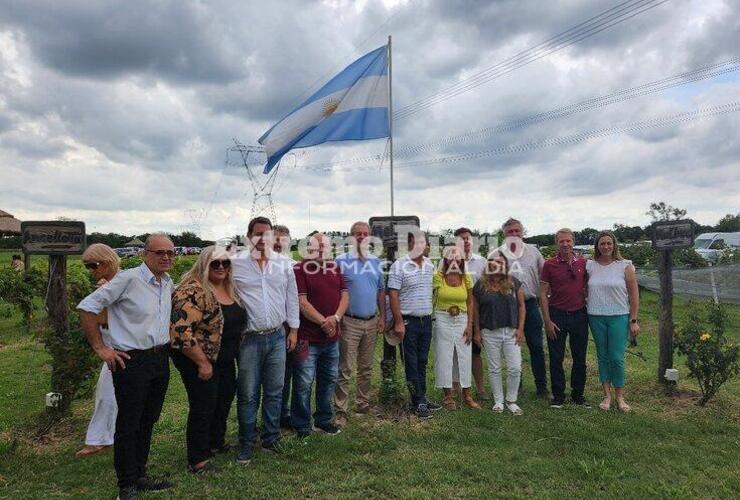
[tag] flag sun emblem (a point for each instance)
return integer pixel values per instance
(329, 107)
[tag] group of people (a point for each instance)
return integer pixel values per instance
(257, 326)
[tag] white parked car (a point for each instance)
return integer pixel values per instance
(127, 251)
(711, 245)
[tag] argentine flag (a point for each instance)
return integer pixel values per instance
(352, 106)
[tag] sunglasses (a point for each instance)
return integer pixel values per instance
(91, 265)
(162, 253)
(220, 264)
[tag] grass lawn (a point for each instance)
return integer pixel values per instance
(666, 448)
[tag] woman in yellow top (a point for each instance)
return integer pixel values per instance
(453, 331)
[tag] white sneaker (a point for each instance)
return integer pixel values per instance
(514, 409)
(498, 408)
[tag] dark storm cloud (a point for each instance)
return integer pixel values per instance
(179, 41)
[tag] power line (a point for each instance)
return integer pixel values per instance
(581, 31)
(703, 73)
(675, 119)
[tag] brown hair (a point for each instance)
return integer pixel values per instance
(565, 230)
(495, 282)
(615, 254)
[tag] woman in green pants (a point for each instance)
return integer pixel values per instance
(613, 303)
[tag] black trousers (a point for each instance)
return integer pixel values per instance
(225, 370)
(202, 396)
(140, 390)
(575, 325)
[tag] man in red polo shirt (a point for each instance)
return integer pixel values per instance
(323, 300)
(563, 303)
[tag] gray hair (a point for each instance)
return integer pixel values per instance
(358, 223)
(279, 228)
(511, 221)
(154, 236)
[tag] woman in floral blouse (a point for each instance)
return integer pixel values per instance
(207, 321)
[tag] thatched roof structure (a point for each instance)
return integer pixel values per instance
(9, 224)
(136, 242)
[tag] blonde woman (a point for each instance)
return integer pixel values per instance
(453, 332)
(103, 263)
(498, 300)
(613, 304)
(207, 321)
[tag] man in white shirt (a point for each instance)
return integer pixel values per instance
(525, 263)
(139, 305)
(410, 291)
(475, 265)
(266, 284)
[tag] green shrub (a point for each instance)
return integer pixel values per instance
(729, 256)
(641, 255)
(687, 257)
(548, 251)
(711, 357)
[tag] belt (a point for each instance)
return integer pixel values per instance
(266, 331)
(409, 316)
(361, 318)
(152, 350)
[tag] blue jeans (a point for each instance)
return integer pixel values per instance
(322, 363)
(416, 344)
(285, 409)
(533, 335)
(261, 366)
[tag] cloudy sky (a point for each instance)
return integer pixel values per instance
(120, 113)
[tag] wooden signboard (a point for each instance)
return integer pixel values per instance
(385, 228)
(673, 234)
(53, 237)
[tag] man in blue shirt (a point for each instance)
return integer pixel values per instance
(364, 318)
(139, 305)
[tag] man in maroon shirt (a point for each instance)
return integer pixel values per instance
(323, 299)
(563, 303)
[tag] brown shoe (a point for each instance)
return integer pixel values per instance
(340, 420)
(469, 401)
(91, 449)
(449, 403)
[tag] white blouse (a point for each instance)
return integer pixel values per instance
(607, 288)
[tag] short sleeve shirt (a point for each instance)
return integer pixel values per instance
(323, 286)
(567, 283)
(364, 279)
(414, 285)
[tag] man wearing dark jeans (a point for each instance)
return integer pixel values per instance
(525, 262)
(410, 291)
(563, 301)
(138, 302)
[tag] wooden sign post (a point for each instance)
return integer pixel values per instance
(668, 236)
(57, 240)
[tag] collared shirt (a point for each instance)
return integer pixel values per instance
(138, 308)
(475, 266)
(270, 294)
(364, 279)
(414, 285)
(527, 268)
(567, 282)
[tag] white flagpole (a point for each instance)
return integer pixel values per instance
(390, 116)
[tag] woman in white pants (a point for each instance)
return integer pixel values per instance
(498, 302)
(453, 331)
(103, 262)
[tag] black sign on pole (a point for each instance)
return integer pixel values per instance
(668, 236)
(57, 239)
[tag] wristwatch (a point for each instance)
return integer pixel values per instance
(634, 320)
(338, 318)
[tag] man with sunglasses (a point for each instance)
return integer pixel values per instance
(139, 304)
(266, 284)
(563, 303)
